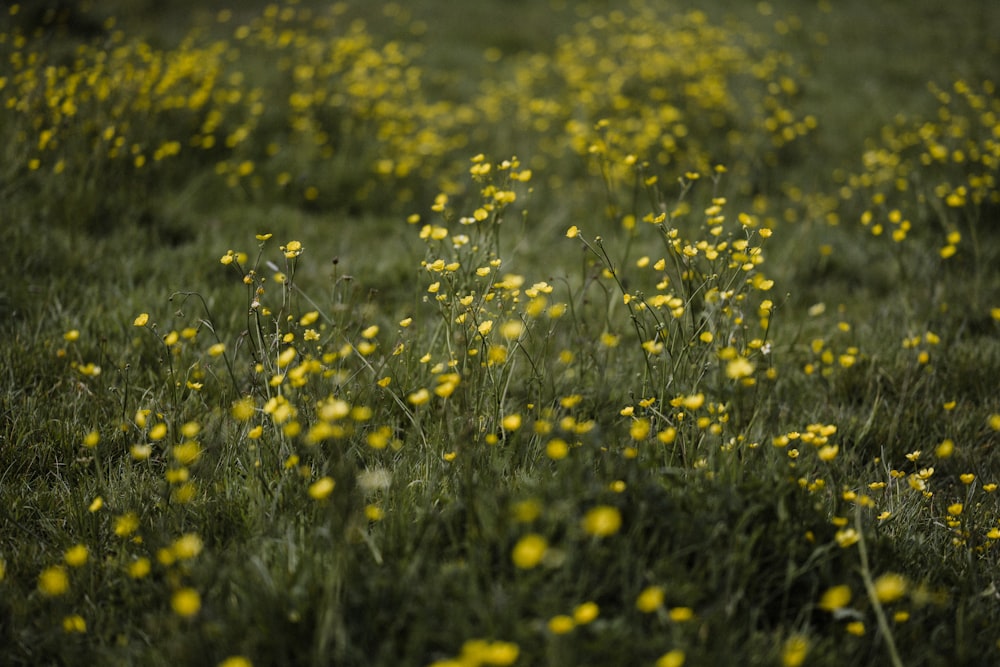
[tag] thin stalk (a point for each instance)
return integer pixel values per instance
(866, 575)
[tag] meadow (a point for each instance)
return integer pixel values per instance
(521, 333)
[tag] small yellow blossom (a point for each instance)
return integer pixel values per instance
(186, 602)
(321, 488)
(890, 587)
(739, 368)
(74, 624)
(650, 599)
(945, 449)
(76, 556)
(138, 568)
(585, 613)
(847, 537)
(794, 651)
(529, 551)
(681, 614)
(236, 661)
(673, 658)
(419, 397)
(243, 409)
(602, 521)
(511, 422)
(994, 420)
(836, 597)
(828, 452)
(53, 581)
(126, 524)
(561, 624)
(693, 402)
(187, 546)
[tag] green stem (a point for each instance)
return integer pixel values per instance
(866, 575)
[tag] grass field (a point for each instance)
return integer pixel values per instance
(520, 333)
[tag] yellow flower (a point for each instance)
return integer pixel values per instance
(91, 439)
(681, 614)
(511, 422)
(693, 402)
(138, 568)
(286, 357)
(76, 556)
(847, 537)
(497, 653)
(890, 587)
(561, 624)
(53, 581)
(187, 546)
(236, 661)
(512, 329)
(639, 430)
(74, 624)
(585, 613)
(419, 397)
(793, 653)
(945, 449)
(739, 368)
(856, 628)
(186, 602)
(994, 420)
(126, 524)
(141, 452)
(529, 551)
(836, 597)
(243, 409)
(602, 521)
(650, 599)
(828, 452)
(527, 511)
(141, 320)
(673, 658)
(321, 488)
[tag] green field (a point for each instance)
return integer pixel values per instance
(500, 333)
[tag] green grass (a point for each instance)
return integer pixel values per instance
(604, 404)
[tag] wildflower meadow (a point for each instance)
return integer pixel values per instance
(500, 333)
